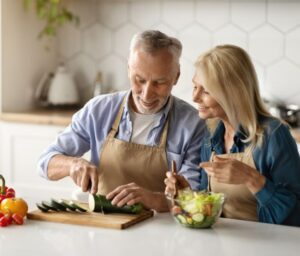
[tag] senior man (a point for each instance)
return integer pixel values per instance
(134, 135)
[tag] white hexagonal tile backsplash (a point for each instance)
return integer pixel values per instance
(145, 13)
(97, 42)
(266, 44)
(212, 14)
(248, 15)
(268, 30)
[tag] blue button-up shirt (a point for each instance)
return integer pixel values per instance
(91, 125)
(277, 159)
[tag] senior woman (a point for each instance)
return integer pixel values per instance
(247, 153)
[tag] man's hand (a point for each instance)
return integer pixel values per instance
(132, 193)
(84, 174)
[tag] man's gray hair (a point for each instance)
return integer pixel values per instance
(154, 40)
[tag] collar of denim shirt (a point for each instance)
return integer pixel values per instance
(217, 140)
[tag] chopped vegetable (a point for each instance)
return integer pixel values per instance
(99, 203)
(197, 209)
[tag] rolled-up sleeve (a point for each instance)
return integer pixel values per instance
(73, 141)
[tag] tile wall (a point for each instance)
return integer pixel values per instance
(268, 30)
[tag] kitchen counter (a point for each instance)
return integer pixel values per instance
(46, 117)
(159, 235)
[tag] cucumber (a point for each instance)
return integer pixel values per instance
(42, 207)
(181, 219)
(77, 206)
(99, 203)
(198, 217)
(49, 206)
(58, 205)
(67, 205)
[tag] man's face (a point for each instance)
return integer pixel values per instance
(152, 77)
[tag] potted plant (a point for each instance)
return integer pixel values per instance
(54, 13)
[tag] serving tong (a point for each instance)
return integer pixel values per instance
(174, 172)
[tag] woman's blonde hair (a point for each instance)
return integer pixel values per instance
(231, 79)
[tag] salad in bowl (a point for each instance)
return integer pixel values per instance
(196, 209)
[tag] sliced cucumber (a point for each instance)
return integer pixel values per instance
(49, 206)
(58, 205)
(198, 217)
(77, 206)
(42, 207)
(67, 205)
(181, 218)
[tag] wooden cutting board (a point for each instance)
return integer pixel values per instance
(111, 220)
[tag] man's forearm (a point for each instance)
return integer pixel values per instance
(59, 166)
(161, 204)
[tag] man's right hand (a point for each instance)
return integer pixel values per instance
(84, 174)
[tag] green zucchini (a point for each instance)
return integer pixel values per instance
(99, 203)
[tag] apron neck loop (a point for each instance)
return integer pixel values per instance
(164, 135)
(116, 123)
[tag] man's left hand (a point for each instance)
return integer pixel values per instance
(132, 193)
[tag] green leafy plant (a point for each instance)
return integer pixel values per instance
(54, 13)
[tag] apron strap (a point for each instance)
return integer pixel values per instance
(117, 121)
(213, 153)
(164, 135)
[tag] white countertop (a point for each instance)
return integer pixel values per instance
(159, 235)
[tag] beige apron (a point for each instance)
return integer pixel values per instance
(239, 201)
(124, 162)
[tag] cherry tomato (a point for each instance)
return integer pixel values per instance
(8, 216)
(1, 215)
(11, 192)
(18, 219)
(2, 197)
(3, 222)
(14, 205)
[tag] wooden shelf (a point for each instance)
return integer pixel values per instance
(46, 117)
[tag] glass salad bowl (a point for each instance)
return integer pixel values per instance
(196, 209)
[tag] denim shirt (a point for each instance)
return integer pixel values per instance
(277, 159)
(91, 125)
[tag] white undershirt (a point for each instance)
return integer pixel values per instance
(141, 126)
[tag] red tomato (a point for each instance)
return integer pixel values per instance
(18, 219)
(10, 191)
(1, 215)
(3, 222)
(2, 197)
(10, 195)
(8, 216)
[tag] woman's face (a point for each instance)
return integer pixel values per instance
(208, 107)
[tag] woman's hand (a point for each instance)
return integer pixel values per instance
(174, 182)
(232, 171)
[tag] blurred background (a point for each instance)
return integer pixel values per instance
(94, 53)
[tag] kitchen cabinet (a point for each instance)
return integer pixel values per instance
(21, 145)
